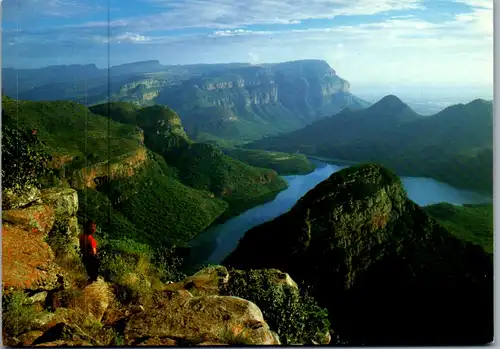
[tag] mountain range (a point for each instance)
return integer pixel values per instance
(454, 145)
(236, 101)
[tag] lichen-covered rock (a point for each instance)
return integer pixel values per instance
(27, 339)
(65, 343)
(18, 198)
(280, 278)
(33, 218)
(27, 260)
(43, 320)
(63, 334)
(158, 341)
(94, 299)
(206, 281)
(38, 297)
(200, 319)
(64, 201)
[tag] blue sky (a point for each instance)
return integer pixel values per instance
(368, 42)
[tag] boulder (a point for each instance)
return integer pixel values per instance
(94, 300)
(42, 320)
(63, 334)
(195, 320)
(64, 201)
(38, 297)
(27, 339)
(35, 218)
(12, 198)
(158, 341)
(206, 281)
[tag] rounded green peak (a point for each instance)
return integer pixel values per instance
(357, 183)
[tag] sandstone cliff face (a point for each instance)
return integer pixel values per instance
(285, 95)
(262, 85)
(387, 272)
(140, 91)
(119, 167)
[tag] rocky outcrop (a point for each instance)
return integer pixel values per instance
(195, 320)
(16, 198)
(203, 283)
(24, 234)
(286, 96)
(366, 250)
(141, 91)
(118, 167)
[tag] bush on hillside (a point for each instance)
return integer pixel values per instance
(294, 315)
(137, 268)
(18, 315)
(24, 159)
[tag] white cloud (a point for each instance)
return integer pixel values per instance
(131, 37)
(487, 4)
(400, 49)
(230, 14)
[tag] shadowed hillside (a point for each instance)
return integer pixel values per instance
(454, 145)
(387, 273)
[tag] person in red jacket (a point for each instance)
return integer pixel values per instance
(88, 248)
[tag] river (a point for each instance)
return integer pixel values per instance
(213, 245)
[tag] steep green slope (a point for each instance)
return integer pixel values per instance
(387, 272)
(128, 189)
(283, 163)
(70, 129)
(472, 223)
(151, 207)
(200, 166)
(454, 146)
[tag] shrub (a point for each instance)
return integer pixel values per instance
(18, 316)
(135, 267)
(294, 315)
(168, 264)
(24, 159)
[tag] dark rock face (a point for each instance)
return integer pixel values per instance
(388, 273)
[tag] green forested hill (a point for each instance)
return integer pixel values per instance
(200, 166)
(454, 145)
(472, 223)
(387, 272)
(70, 129)
(144, 200)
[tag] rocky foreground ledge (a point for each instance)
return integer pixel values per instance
(65, 312)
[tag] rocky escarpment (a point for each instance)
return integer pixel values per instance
(140, 91)
(119, 167)
(387, 272)
(286, 96)
(47, 302)
(60, 311)
(27, 231)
